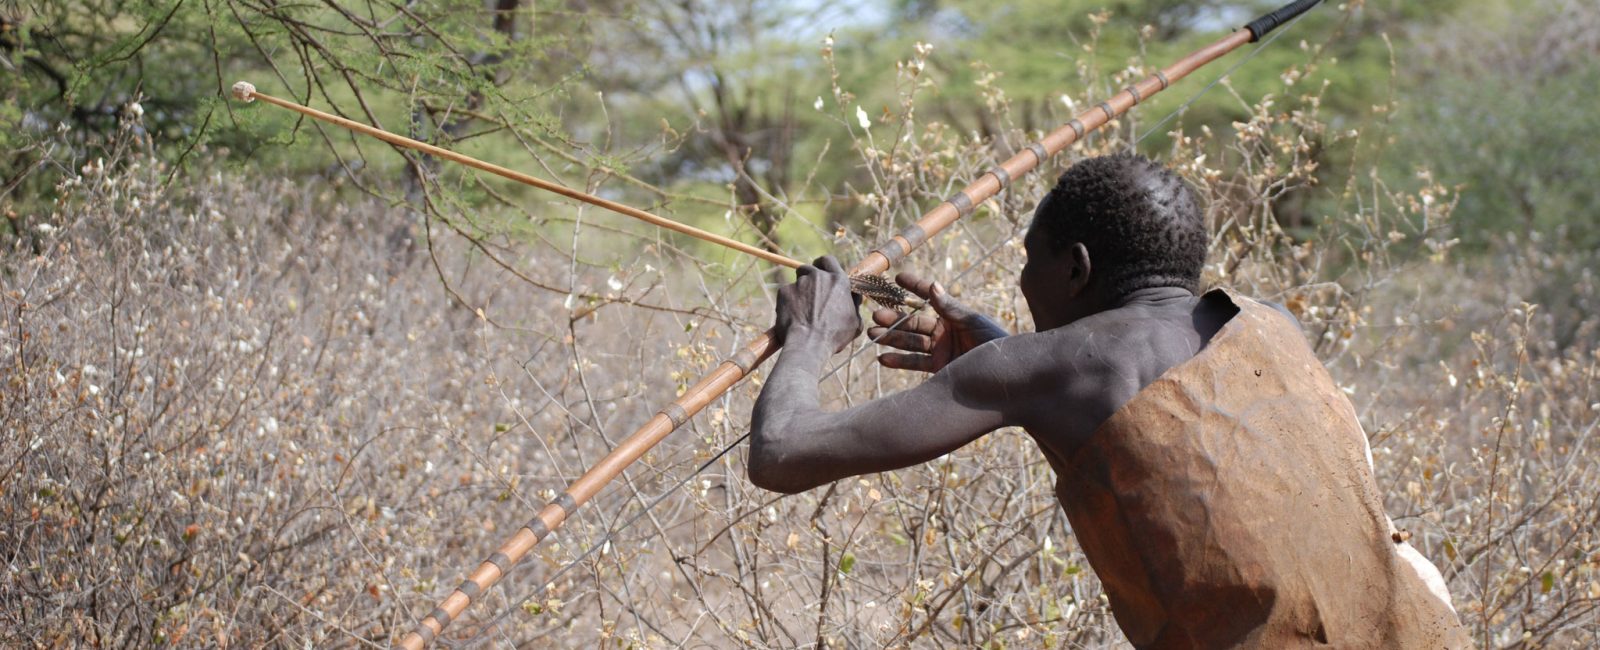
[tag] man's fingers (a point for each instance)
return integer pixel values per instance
(829, 263)
(932, 292)
(901, 340)
(901, 361)
(916, 284)
(916, 324)
(885, 316)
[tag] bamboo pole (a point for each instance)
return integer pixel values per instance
(244, 91)
(731, 371)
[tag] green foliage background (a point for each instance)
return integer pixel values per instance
(1492, 93)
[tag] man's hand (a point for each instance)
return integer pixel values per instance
(936, 341)
(819, 303)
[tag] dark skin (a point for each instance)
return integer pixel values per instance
(1093, 350)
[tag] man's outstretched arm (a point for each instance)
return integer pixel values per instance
(797, 446)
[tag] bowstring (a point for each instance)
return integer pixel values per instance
(610, 535)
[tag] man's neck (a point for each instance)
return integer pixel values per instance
(1153, 296)
(1095, 303)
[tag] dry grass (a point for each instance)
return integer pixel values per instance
(240, 413)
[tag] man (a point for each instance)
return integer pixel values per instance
(1217, 480)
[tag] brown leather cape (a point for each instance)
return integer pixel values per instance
(1232, 503)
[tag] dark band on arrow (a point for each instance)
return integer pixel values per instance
(1163, 77)
(443, 617)
(1110, 114)
(1039, 152)
(500, 561)
(894, 250)
(673, 412)
(1077, 127)
(1134, 90)
(538, 527)
(1260, 26)
(425, 632)
(903, 243)
(567, 503)
(744, 360)
(915, 235)
(470, 588)
(961, 202)
(1000, 174)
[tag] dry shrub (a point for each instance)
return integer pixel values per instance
(207, 388)
(1482, 409)
(245, 415)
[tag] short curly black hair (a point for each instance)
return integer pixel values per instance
(1141, 223)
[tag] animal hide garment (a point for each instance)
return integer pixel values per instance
(1232, 503)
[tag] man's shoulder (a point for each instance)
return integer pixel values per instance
(1064, 381)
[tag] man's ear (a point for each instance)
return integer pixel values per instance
(1076, 258)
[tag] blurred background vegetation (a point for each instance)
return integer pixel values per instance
(269, 384)
(706, 106)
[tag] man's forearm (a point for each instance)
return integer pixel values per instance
(796, 446)
(784, 426)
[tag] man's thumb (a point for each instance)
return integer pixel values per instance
(942, 302)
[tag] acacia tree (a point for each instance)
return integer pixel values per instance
(71, 71)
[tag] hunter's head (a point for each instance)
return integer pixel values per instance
(1112, 226)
